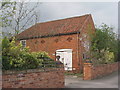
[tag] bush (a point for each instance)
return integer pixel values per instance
(104, 46)
(19, 58)
(109, 57)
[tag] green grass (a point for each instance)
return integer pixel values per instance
(74, 74)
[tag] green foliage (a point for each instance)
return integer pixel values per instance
(118, 58)
(8, 9)
(74, 74)
(104, 46)
(17, 16)
(19, 58)
(109, 56)
(42, 55)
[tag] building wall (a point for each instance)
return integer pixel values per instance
(86, 31)
(51, 44)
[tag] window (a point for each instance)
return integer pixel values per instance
(85, 56)
(23, 42)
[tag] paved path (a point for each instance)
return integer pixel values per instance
(110, 81)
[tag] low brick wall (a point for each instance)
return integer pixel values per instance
(34, 78)
(94, 71)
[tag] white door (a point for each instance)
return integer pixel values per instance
(65, 58)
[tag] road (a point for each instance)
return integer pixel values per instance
(110, 81)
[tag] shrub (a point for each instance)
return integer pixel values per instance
(19, 58)
(109, 57)
(104, 46)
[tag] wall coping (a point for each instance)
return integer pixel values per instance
(6, 72)
(106, 64)
(100, 64)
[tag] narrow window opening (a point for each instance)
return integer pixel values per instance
(23, 42)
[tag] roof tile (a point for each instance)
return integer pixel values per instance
(67, 25)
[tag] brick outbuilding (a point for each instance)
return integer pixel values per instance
(67, 40)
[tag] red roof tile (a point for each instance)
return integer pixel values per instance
(67, 25)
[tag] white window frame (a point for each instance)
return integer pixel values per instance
(22, 43)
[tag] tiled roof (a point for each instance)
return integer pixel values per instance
(67, 25)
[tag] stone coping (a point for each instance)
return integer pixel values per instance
(106, 64)
(31, 70)
(100, 64)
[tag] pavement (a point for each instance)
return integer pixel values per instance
(109, 81)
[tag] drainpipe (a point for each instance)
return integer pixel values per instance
(78, 57)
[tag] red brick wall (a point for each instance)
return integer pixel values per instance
(51, 44)
(37, 78)
(87, 75)
(88, 29)
(92, 71)
(0, 79)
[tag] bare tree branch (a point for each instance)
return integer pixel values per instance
(27, 21)
(19, 15)
(30, 11)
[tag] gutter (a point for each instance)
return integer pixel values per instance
(46, 36)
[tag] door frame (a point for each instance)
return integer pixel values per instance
(65, 50)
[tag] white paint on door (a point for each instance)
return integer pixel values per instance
(65, 57)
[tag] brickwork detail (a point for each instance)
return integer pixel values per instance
(95, 71)
(51, 44)
(37, 78)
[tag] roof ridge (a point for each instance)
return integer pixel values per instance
(64, 18)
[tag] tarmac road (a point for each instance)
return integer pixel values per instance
(110, 81)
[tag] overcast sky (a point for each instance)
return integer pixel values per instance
(102, 12)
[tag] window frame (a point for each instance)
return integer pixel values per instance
(22, 43)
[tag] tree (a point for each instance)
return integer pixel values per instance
(24, 16)
(7, 9)
(118, 50)
(104, 44)
(18, 16)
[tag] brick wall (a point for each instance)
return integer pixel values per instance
(91, 71)
(86, 32)
(51, 44)
(37, 78)
(1, 79)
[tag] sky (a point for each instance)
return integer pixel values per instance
(102, 12)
